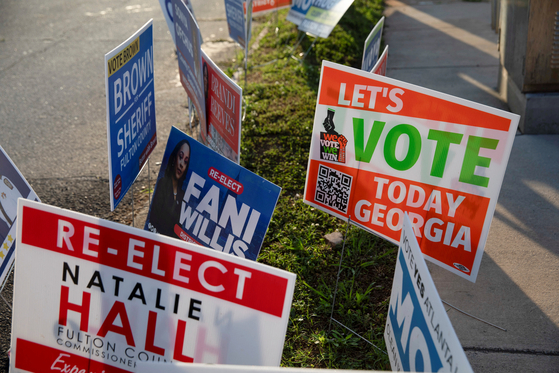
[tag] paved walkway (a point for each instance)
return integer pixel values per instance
(449, 46)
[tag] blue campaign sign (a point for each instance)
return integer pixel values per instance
(372, 46)
(189, 53)
(410, 332)
(234, 10)
(419, 336)
(167, 9)
(323, 16)
(12, 186)
(204, 198)
(131, 132)
(298, 10)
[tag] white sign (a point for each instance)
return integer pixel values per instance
(371, 49)
(12, 186)
(110, 295)
(381, 147)
(323, 16)
(380, 66)
(419, 336)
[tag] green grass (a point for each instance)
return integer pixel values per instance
(281, 98)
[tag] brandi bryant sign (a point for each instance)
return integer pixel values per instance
(110, 295)
(381, 148)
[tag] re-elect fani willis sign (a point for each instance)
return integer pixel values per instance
(381, 147)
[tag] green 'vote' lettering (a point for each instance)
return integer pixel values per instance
(444, 139)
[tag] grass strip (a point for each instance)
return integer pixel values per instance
(281, 97)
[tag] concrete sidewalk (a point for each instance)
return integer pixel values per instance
(449, 46)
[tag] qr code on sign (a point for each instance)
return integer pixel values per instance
(333, 188)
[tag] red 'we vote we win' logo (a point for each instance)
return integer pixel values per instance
(332, 144)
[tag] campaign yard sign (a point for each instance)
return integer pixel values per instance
(371, 49)
(236, 22)
(381, 147)
(323, 16)
(299, 9)
(260, 7)
(131, 132)
(380, 66)
(224, 100)
(111, 295)
(12, 186)
(204, 198)
(189, 53)
(418, 334)
(167, 9)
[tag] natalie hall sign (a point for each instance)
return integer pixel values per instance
(110, 295)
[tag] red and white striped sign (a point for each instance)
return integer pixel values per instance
(110, 295)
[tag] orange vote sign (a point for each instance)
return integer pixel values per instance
(381, 148)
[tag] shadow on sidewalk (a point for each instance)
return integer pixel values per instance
(449, 46)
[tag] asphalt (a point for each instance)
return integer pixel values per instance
(53, 104)
(449, 46)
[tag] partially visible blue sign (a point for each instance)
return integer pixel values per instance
(372, 46)
(204, 198)
(298, 10)
(234, 10)
(167, 9)
(189, 53)
(409, 326)
(419, 336)
(12, 186)
(131, 132)
(323, 16)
